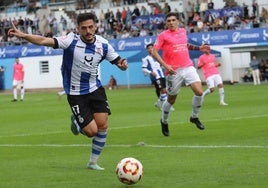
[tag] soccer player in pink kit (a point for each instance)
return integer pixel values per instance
(179, 69)
(207, 62)
(18, 80)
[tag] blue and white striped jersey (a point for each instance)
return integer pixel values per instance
(149, 64)
(80, 64)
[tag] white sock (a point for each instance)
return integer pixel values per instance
(196, 105)
(221, 93)
(15, 93)
(206, 92)
(22, 91)
(165, 111)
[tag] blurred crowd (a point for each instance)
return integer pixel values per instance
(121, 23)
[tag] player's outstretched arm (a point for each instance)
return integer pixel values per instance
(35, 39)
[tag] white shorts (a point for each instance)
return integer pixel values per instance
(185, 76)
(213, 81)
(18, 83)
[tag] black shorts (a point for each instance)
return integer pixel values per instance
(84, 106)
(160, 83)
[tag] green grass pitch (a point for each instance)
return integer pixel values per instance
(37, 149)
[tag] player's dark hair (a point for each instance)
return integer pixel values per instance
(172, 14)
(86, 16)
(148, 45)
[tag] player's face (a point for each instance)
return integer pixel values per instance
(87, 30)
(207, 50)
(150, 49)
(172, 23)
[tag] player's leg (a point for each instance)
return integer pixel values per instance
(100, 109)
(22, 90)
(15, 90)
(254, 74)
(173, 84)
(192, 78)
(99, 140)
(219, 83)
(162, 96)
(210, 86)
(258, 77)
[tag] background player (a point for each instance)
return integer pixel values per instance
(207, 62)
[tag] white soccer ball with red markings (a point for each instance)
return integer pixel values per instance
(129, 170)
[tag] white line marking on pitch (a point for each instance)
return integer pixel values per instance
(136, 126)
(145, 145)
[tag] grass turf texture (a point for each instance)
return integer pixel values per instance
(37, 148)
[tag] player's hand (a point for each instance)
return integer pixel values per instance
(15, 32)
(153, 74)
(204, 48)
(169, 70)
(122, 64)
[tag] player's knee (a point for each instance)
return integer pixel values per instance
(90, 130)
(198, 93)
(103, 126)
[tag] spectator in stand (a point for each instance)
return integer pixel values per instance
(231, 21)
(264, 15)
(166, 8)
(248, 75)
(112, 83)
(124, 15)
(143, 32)
(210, 5)
(255, 8)
(125, 34)
(209, 19)
(203, 8)
(118, 15)
(262, 68)
(43, 25)
(245, 11)
(63, 22)
(144, 11)
(265, 73)
(135, 12)
(254, 64)
(197, 7)
(107, 17)
(156, 9)
(101, 28)
(128, 19)
(189, 11)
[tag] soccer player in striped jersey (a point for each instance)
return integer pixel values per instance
(82, 54)
(151, 67)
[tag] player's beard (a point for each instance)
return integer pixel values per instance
(88, 38)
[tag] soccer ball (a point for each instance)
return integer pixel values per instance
(129, 170)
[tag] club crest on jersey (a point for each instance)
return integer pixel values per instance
(80, 119)
(88, 59)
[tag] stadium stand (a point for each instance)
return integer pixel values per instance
(118, 18)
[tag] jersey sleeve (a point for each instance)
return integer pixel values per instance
(111, 53)
(64, 42)
(145, 66)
